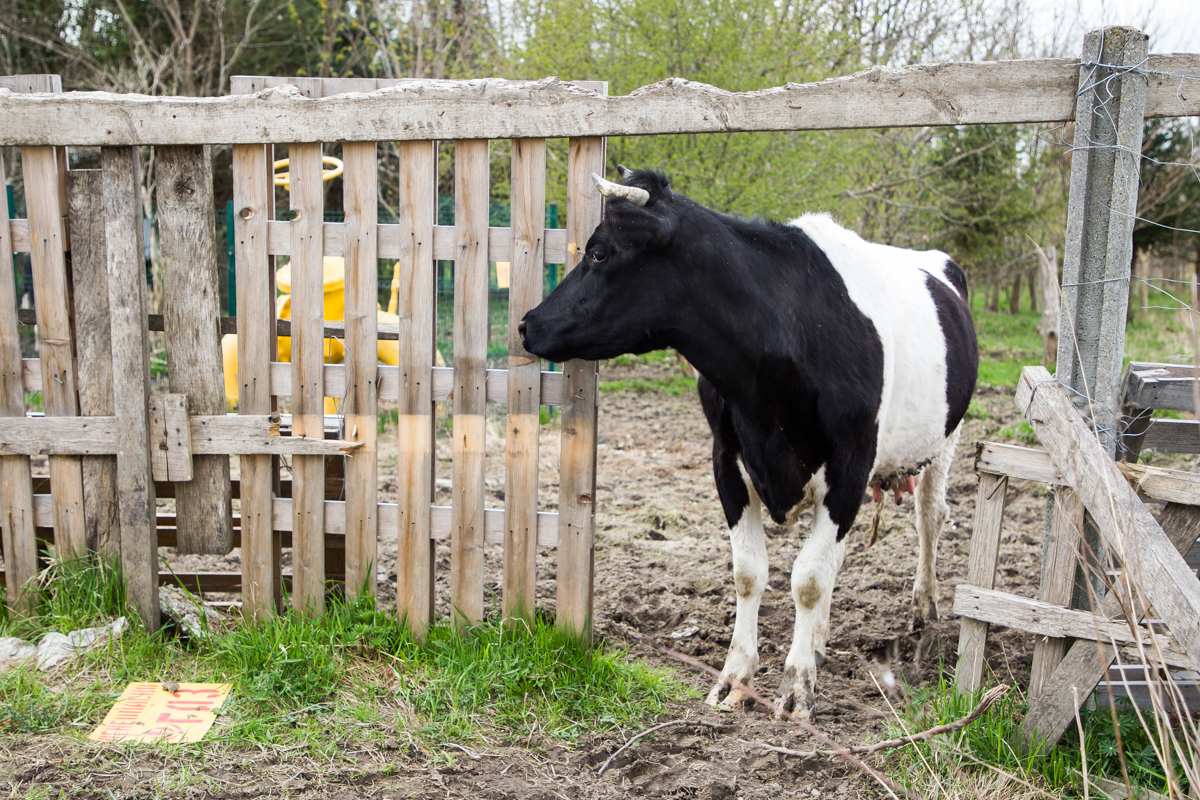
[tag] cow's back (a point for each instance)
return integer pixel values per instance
(908, 295)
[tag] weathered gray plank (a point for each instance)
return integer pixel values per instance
(577, 481)
(1036, 90)
(1127, 526)
(16, 485)
(131, 376)
(1046, 619)
(1100, 216)
(50, 285)
(981, 571)
(1160, 386)
(191, 307)
(93, 344)
(171, 442)
(1024, 463)
(1060, 556)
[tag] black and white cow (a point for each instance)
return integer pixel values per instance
(826, 364)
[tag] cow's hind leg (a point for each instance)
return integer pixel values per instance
(932, 512)
(750, 567)
(813, 576)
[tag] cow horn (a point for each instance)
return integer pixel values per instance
(624, 172)
(613, 190)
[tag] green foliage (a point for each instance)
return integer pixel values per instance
(991, 739)
(976, 410)
(673, 385)
(68, 595)
(1104, 742)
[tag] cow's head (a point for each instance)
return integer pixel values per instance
(625, 294)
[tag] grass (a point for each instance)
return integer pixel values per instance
(987, 749)
(355, 670)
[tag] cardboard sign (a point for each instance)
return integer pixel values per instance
(147, 712)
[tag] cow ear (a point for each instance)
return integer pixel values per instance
(665, 232)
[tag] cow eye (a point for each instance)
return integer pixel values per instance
(598, 256)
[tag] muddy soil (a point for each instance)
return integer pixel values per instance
(663, 571)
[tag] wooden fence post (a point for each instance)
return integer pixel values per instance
(981, 571)
(16, 482)
(577, 481)
(252, 198)
(471, 172)
(360, 200)
(44, 170)
(308, 368)
(191, 299)
(1109, 113)
(524, 378)
(1060, 556)
(131, 376)
(89, 268)
(417, 294)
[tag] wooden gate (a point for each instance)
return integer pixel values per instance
(108, 466)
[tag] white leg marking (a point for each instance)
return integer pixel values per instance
(821, 636)
(750, 568)
(932, 512)
(813, 577)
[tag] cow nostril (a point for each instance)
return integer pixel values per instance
(521, 328)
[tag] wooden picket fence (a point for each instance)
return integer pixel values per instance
(113, 447)
(99, 405)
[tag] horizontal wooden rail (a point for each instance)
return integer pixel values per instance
(1031, 464)
(1159, 386)
(335, 520)
(279, 243)
(335, 383)
(227, 434)
(1047, 619)
(1035, 90)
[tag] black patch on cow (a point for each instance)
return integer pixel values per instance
(962, 350)
(731, 488)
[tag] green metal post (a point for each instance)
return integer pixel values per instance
(231, 269)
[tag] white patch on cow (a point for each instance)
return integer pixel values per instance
(888, 285)
(750, 568)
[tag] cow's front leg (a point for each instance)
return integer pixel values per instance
(813, 576)
(750, 568)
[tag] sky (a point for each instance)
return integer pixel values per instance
(1173, 25)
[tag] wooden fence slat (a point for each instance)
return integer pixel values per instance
(89, 268)
(191, 299)
(252, 201)
(471, 201)
(131, 376)
(417, 292)
(359, 192)
(16, 484)
(1061, 554)
(965, 93)
(524, 378)
(577, 481)
(981, 571)
(308, 358)
(1057, 623)
(50, 286)
(1127, 526)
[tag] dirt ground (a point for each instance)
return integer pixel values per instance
(663, 570)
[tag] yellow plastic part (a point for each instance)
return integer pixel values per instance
(335, 309)
(284, 179)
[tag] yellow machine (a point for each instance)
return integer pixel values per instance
(335, 309)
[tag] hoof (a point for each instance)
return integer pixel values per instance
(796, 696)
(923, 616)
(724, 698)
